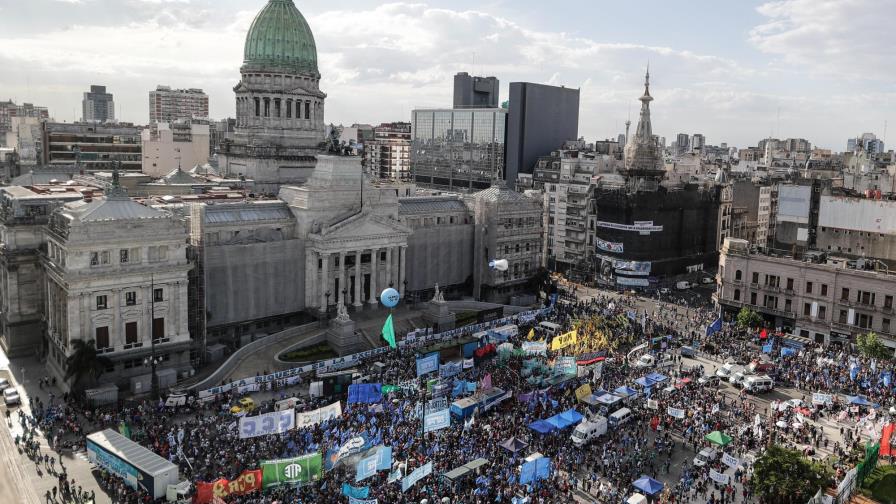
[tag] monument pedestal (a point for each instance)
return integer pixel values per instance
(438, 316)
(341, 334)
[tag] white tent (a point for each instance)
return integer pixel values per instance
(637, 499)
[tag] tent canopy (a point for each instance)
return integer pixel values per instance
(625, 391)
(514, 444)
(608, 399)
(644, 381)
(542, 427)
(648, 485)
(572, 416)
(656, 377)
(718, 438)
(637, 498)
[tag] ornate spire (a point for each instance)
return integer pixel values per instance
(645, 131)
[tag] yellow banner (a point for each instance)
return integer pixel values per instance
(583, 392)
(564, 340)
(531, 334)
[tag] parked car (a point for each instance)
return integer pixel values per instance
(682, 285)
(707, 280)
(245, 405)
(738, 377)
(709, 380)
(727, 369)
(4, 383)
(758, 384)
(665, 290)
(687, 351)
(11, 396)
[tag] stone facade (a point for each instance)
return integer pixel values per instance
(116, 273)
(827, 301)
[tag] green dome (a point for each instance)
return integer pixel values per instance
(280, 39)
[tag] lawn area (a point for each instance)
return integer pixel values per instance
(309, 354)
(881, 484)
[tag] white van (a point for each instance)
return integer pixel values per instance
(620, 417)
(682, 285)
(706, 456)
(758, 384)
(589, 430)
(727, 369)
(550, 328)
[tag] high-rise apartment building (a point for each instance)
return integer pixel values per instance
(682, 141)
(869, 143)
(169, 105)
(458, 149)
(388, 155)
(93, 146)
(540, 118)
(98, 105)
(475, 92)
(697, 141)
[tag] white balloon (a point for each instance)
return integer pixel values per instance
(499, 264)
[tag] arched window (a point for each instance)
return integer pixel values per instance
(307, 110)
(517, 248)
(267, 107)
(289, 109)
(738, 275)
(257, 107)
(276, 107)
(737, 294)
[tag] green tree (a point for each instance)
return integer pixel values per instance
(785, 476)
(870, 346)
(748, 318)
(84, 366)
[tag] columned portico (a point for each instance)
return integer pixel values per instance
(360, 242)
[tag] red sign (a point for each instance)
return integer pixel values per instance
(248, 481)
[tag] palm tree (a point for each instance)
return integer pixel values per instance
(85, 365)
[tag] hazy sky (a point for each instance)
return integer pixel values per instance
(725, 68)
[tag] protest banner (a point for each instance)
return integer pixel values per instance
(566, 366)
(352, 500)
(175, 400)
(653, 404)
(450, 369)
(275, 422)
(291, 471)
(366, 468)
(729, 461)
(320, 415)
(469, 363)
(675, 412)
(564, 340)
(583, 392)
(248, 481)
(718, 477)
(820, 398)
(355, 492)
(535, 347)
(437, 420)
(428, 363)
(415, 476)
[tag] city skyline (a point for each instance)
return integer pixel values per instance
(738, 74)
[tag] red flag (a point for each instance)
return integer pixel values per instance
(763, 334)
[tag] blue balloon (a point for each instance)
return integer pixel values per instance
(390, 297)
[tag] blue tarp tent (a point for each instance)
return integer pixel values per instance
(624, 391)
(535, 470)
(656, 377)
(644, 381)
(365, 393)
(542, 427)
(557, 421)
(648, 485)
(608, 399)
(572, 416)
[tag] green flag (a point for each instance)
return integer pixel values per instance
(389, 332)
(291, 471)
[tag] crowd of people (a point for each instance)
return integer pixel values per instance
(202, 438)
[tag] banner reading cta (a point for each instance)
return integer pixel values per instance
(564, 340)
(292, 471)
(276, 422)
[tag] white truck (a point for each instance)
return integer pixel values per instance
(589, 430)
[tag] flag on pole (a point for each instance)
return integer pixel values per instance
(389, 332)
(715, 327)
(531, 334)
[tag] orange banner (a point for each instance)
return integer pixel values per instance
(248, 481)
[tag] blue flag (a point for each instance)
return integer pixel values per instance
(715, 327)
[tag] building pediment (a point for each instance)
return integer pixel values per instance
(361, 230)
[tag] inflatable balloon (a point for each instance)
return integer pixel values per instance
(498, 264)
(389, 297)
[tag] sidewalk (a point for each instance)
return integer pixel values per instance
(24, 373)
